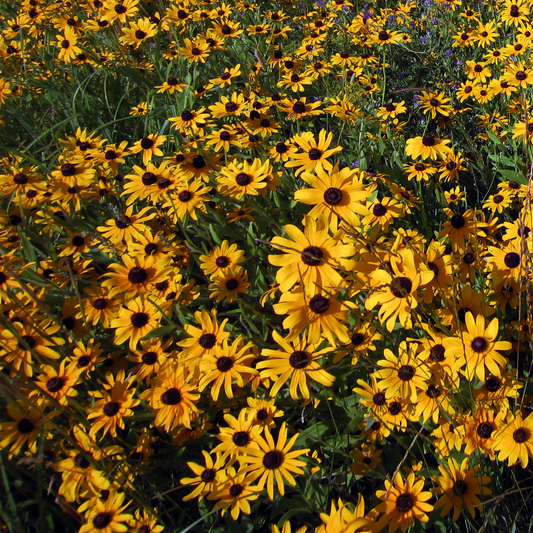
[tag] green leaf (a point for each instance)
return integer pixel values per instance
(159, 332)
(512, 175)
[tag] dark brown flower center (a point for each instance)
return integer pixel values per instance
(420, 167)
(171, 396)
(224, 364)
(484, 430)
(139, 320)
(433, 392)
(68, 169)
(184, 196)
(319, 304)
(273, 460)
(147, 143)
(111, 408)
(299, 107)
(428, 140)
(222, 261)
(208, 475)
(521, 435)
(521, 75)
(312, 255)
(492, 384)
(404, 503)
(27, 343)
(139, 34)
(231, 107)
(236, 490)
(149, 178)
(379, 398)
(137, 275)
(186, 115)
(241, 438)
(479, 344)
(406, 372)
(315, 154)
(232, 284)
(25, 425)
(122, 223)
(395, 408)
(333, 196)
(81, 461)
(100, 303)
(401, 287)
(262, 414)
(149, 358)
(379, 210)
(242, 179)
(357, 339)
(437, 353)
(460, 487)
(55, 384)
(458, 221)
(207, 341)
(511, 260)
(299, 359)
(102, 520)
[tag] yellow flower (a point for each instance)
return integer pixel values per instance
(403, 502)
(273, 461)
(460, 487)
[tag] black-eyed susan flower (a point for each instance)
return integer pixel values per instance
(460, 487)
(391, 110)
(235, 493)
(119, 9)
(138, 31)
(59, 383)
(297, 361)
(318, 312)
(149, 146)
(145, 522)
(221, 258)
(67, 43)
(397, 289)
(271, 461)
(135, 321)
(315, 154)
(514, 12)
(188, 198)
(337, 194)
(514, 440)
(419, 171)
(136, 276)
(172, 397)
(427, 147)
(113, 404)
(404, 375)
(227, 364)
(208, 477)
(300, 108)
(404, 502)
(460, 229)
(480, 347)
(228, 285)
(171, 85)
(238, 179)
(311, 258)
(23, 430)
(126, 227)
(21, 341)
(203, 340)
(241, 434)
(107, 515)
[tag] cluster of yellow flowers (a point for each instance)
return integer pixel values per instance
(253, 227)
